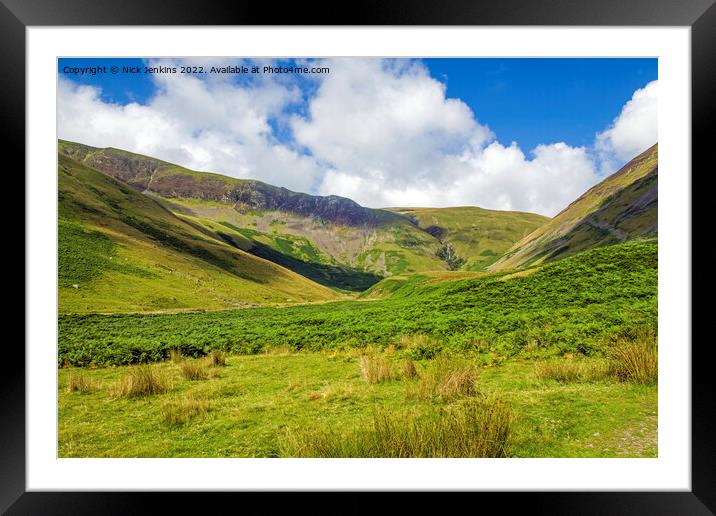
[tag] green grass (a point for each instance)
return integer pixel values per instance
(83, 255)
(263, 403)
(576, 305)
(121, 251)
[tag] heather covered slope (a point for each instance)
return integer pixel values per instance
(120, 251)
(622, 207)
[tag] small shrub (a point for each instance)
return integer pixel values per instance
(176, 413)
(78, 382)
(193, 370)
(217, 358)
(475, 428)
(446, 377)
(141, 381)
(636, 359)
(420, 347)
(376, 369)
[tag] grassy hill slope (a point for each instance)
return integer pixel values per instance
(331, 240)
(120, 251)
(473, 238)
(345, 256)
(622, 207)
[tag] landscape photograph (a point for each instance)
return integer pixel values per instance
(357, 257)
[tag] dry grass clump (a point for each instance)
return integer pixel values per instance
(217, 358)
(180, 412)
(568, 370)
(475, 428)
(447, 378)
(409, 370)
(563, 371)
(377, 369)
(597, 370)
(78, 382)
(636, 359)
(193, 370)
(141, 381)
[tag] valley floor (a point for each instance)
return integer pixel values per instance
(257, 405)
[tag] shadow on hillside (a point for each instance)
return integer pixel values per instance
(328, 275)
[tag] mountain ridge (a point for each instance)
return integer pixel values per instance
(339, 231)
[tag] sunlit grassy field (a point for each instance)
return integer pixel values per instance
(278, 404)
(554, 361)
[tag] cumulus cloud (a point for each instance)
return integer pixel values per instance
(633, 131)
(211, 125)
(497, 177)
(386, 120)
(393, 138)
(382, 132)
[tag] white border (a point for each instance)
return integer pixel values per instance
(670, 471)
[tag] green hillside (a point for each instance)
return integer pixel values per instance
(622, 207)
(473, 238)
(330, 240)
(573, 305)
(349, 257)
(120, 251)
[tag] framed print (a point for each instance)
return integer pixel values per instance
(421, 250)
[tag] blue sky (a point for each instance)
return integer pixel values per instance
(462, 114)
(529, 101)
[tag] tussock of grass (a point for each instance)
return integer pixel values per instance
(217, 358)
(568, 370)
(636, 359)
(475, 428)
(180, 412)
(192, 370)
(446, 377)
(377, 369)
(563, 371)
(78, 383)
(175, 356)
(410, 371)
(597, 370)
(141, 381)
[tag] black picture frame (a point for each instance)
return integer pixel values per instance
(700, 15)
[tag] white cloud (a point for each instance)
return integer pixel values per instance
(386, 120)
(394, 139)
(497, 177)
(381, 132)
(204, 125)
(633, 131)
